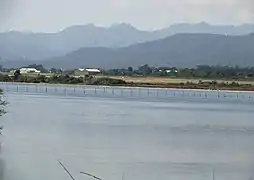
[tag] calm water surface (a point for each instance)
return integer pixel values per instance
(142, 139)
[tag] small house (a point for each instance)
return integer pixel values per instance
(29, 70)
(93, 71)
(85, 72)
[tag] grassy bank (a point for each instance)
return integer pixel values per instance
(184, 83)
(153, 82)
(167, 80)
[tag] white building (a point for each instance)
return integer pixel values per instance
(93, 71)
(29, 70)
(83, 72)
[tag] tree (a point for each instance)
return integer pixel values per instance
(145, 70)
(130, 69)
(55, 71)
(17, 74)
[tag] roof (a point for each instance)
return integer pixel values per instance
(29, 69)
(81, 69)
(93, 70)
(90, 70)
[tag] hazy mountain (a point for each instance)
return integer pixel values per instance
(36, 46)
(209, 29)
(186, 50)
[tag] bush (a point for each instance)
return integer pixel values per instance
(107, 81)
(234, 84)
(65, 79)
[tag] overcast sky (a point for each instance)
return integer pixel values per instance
(53, 15)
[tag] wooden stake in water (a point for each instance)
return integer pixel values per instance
(95, 177)
(213, 173)
(66, 170)
(123, 176)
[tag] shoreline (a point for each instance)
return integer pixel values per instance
(137, 86)
(196, 89)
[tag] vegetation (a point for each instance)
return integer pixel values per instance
(60, 79)
(107, 81)
(202, 71)
(205, 85)
(201, 77)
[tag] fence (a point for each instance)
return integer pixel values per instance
(124, 92)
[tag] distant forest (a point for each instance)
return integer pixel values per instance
(201, 71)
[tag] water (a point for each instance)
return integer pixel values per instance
(152, 94)
(141, 138)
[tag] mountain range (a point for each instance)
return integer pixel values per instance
(181, 50)
(121, 44)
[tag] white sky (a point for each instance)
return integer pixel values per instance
(53, 15)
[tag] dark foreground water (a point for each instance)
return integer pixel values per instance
(141, 139)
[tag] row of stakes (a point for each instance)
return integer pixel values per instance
(149, 92)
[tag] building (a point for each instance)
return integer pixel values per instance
(93, 71)
(85, 72)
(29, 70)
(80, 72)
(171, 71)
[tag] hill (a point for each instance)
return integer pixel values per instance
(36, 46)
(185, 50)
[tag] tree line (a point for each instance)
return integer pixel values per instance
(59, 79)
(200, 71)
